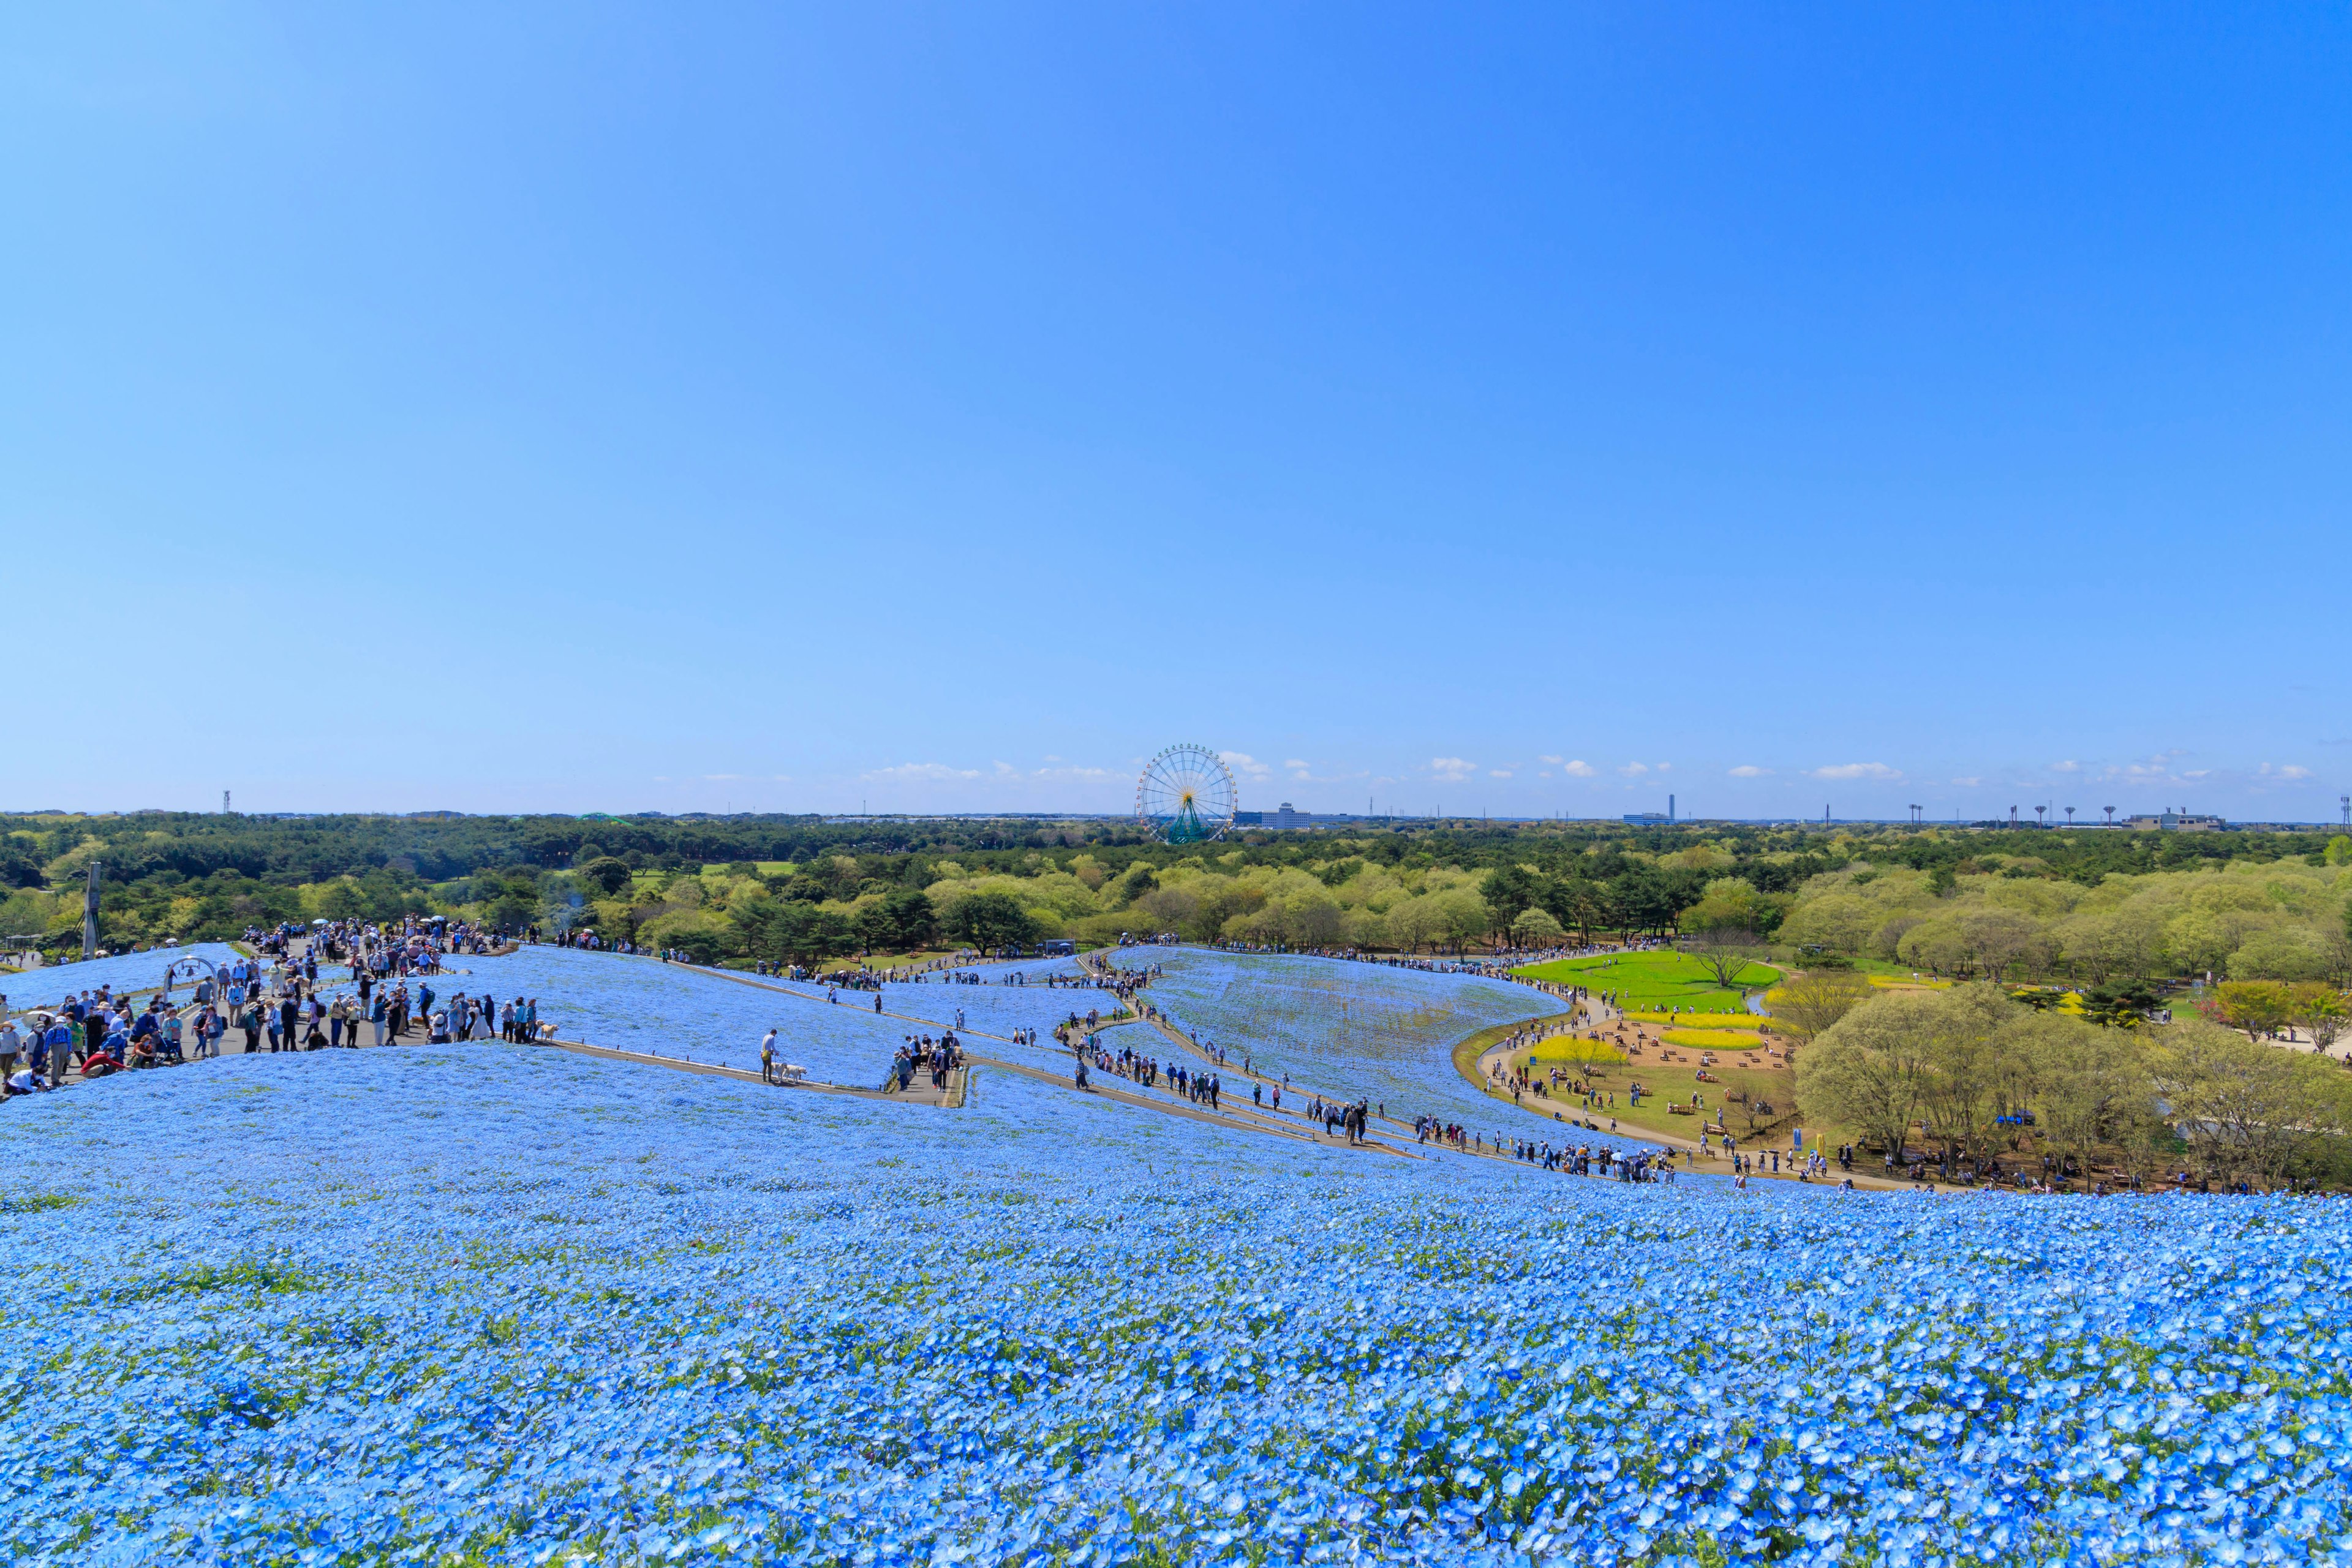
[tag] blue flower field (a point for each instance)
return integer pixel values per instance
(125, 972)
(489, 1304)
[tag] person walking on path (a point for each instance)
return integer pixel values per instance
(768, 1058)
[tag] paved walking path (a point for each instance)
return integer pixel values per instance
(1247, 1117)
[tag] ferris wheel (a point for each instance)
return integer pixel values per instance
(1186, 796)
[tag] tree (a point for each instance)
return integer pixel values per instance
(2125, 1004)
(1810, 1002)
(1575, 902)
(2246, 1108)
(913, 923)
(1220, 902)
(990, 920)
(1642, 900)
(1508, 889)
(1534, 928)
(1974, 1073)
(1724, 952)
(1869, 1070)
(871, 924)
(2318, 1011)
(607, 873)
(1167, 908)
(703, 936)
(2093, 1083)
(1732, 903)
(1463, 914)
(1413, 921)
(2278, 956)
(341, 900)
(2257, 1006)
(1316, 920)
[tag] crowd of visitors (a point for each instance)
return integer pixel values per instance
(922, 1053)
(281, 991)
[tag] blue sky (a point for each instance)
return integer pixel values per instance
(1520, 409)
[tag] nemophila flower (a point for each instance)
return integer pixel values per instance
(520, 1307)
(130, 973)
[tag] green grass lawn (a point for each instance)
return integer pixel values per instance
(1648, 980)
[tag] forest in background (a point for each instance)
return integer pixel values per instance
(2087, 905)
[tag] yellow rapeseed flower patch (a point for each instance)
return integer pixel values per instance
(1716, 1039)
(1566, 1053)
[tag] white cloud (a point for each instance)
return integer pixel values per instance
(1635, 769)
(1498, 773)
(907, 771)
(1244, 762)
(1858, 771)
(2291, 770)
(1579, 770)
(1968, 784)
(1545, 773)
(2197, 774)
(721, 778)
(1453, 769)
(2065, 767)
(1555, 762)
(1665, 767)
(1294, 762)
(1748, 771)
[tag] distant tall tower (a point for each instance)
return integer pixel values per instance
(1670, 808)
(224, 803)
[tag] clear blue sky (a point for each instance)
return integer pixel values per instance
(687, 407)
